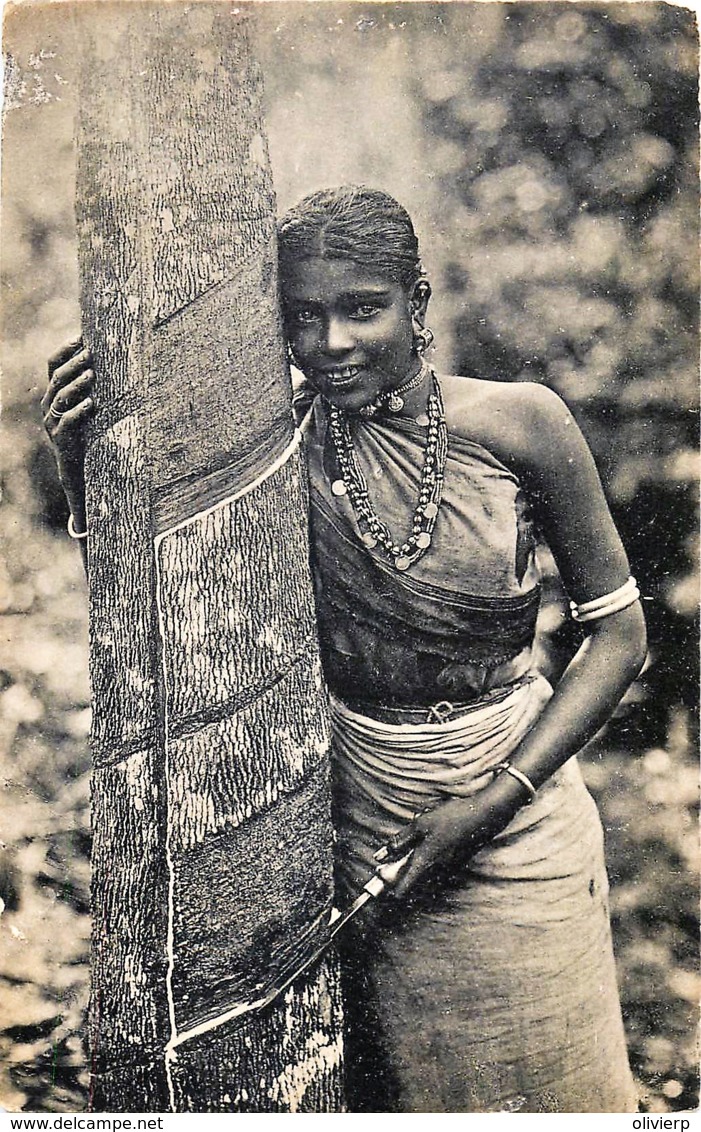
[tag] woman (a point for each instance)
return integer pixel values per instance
(486, 982)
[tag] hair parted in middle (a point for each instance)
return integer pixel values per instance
(352, 222)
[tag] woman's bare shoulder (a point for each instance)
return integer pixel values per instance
(515, 420)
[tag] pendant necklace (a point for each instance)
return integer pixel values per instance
(374, 532)
(392, 398)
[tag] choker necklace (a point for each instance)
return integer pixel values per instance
(373, 531)
(392, 398)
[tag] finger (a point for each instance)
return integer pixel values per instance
(414, 872)
(71, 421)
(76, 369)
(407, 839)
(73, 393)
(432, 863)
(64, 353)
(390, 872)
(400, 844)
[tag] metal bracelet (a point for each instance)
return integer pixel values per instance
(607, 604)
(78, 535)
(525, 781)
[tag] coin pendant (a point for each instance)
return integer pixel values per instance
(402, 563)
(430, 510)
(422, 420)
(423, 540)
(338, 487)
(369, 540)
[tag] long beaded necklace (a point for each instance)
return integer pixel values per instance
(374, 532)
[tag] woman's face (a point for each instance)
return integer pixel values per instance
(349, 328)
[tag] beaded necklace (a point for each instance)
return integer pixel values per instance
(374, 532)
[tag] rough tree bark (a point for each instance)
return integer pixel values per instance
(212, 835)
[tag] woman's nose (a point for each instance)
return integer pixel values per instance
(338, 337)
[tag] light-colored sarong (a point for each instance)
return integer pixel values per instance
(501, 994)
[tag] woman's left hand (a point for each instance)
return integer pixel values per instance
(448, 835)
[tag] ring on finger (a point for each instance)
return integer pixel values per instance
(54, 412)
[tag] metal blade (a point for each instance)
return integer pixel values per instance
(374, 887)
(286, 979)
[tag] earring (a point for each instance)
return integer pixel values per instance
(423, 338)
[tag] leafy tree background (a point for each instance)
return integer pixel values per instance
(548, 153)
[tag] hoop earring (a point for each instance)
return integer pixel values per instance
(423, 338)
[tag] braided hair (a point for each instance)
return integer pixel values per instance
(352, 222)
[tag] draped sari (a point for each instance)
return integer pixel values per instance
(498, 992)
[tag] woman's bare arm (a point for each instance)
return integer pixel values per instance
(532, 432)
(558, 471)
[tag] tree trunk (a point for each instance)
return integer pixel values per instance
(212, 833)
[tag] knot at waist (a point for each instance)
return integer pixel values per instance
(403, 766)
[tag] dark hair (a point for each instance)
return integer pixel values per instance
(353, 222)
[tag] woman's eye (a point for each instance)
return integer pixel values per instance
(304, 316)
(364, 310)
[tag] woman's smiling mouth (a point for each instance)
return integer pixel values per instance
(343, 375)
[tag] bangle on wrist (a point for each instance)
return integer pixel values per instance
(77, 535)
(523, 779)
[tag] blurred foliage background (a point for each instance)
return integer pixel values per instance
(548, 153)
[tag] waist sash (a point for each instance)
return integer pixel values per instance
(404, 767)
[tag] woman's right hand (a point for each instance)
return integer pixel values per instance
(68, 405)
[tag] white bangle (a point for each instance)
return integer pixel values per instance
(598, 602)
(78, 535)
(610, 603)
(507, 768)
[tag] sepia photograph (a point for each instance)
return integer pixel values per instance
(349, 591)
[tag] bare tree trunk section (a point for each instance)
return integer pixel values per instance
(212, 833)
